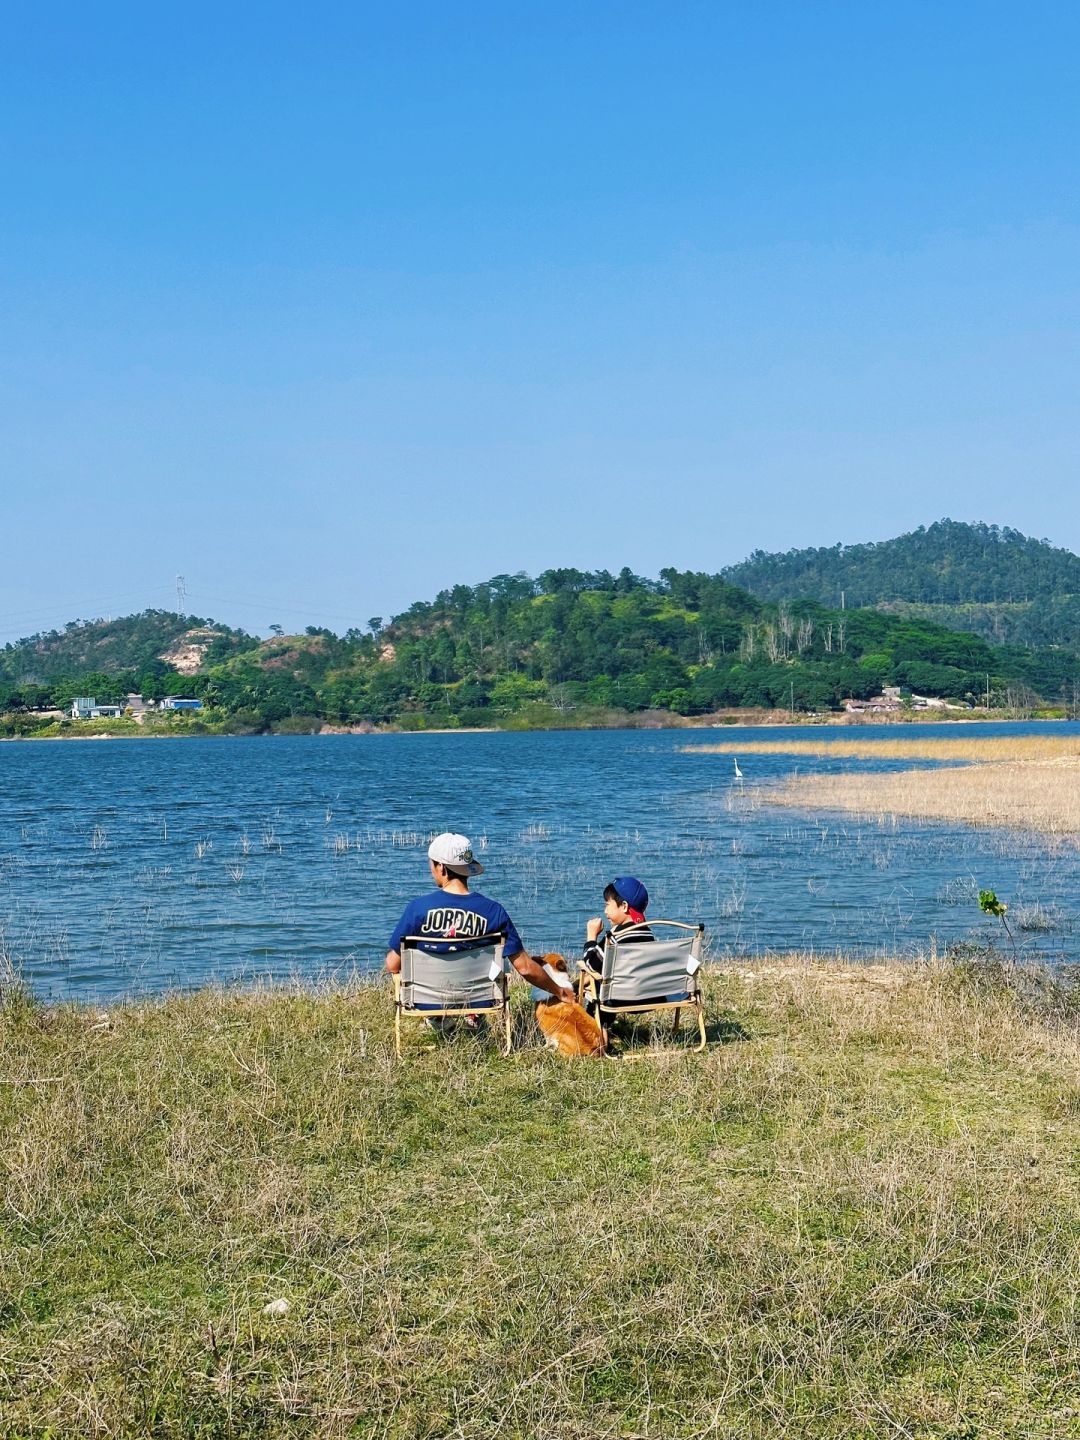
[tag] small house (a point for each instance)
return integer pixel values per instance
(85, 707)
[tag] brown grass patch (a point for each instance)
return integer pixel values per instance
(1031, 795)
(1023, 782)
(963, 748)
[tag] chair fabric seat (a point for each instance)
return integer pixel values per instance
(680, 999)
(470, 1004)
(655, 970)
(470, 979)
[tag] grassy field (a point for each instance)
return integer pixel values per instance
(854, 1215)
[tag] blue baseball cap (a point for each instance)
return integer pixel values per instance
(632, 891)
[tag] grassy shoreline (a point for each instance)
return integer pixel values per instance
(186, 727)
(853, 1216)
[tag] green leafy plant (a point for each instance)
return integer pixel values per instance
(989, 904)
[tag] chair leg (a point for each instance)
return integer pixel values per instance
(675, 1021)
(397, 1030)
(508, 1043)
(701, 1025)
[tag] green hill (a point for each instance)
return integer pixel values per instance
(571, 648)
(995, 582)
(157, 641)
(567, 648)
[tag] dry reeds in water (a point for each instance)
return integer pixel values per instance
(1029, 795)
(966, 747)
(1026, 782)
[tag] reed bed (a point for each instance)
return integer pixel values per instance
(1018, 781)
(962, 748)
(234, 1214)
(1043, 796)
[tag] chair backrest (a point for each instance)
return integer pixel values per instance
(470, 977)
(638, 969)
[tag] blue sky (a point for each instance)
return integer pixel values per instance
(328, 307)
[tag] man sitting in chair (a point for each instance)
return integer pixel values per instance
(452, 913)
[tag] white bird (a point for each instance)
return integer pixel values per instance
(738, 772)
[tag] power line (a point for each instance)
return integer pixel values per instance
(66, 611)
(278, 606)
(67, 607)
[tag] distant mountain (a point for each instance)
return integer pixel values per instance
(991, 581)
(156, 640)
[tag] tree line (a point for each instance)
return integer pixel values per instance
(571, 647)
(991, 580)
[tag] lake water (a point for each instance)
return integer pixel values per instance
(129, 867)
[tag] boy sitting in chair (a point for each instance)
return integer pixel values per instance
(626, 976)
(626, 901)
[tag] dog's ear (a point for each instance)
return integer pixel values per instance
(552, 959)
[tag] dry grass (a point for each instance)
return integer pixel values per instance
(1023, 782)
(1028, 795)
(855, 1215)
(964, 747)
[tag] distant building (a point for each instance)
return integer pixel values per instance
(893, 698)
(85, 707)
(176, 702)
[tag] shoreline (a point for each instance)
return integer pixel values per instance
(756, 720)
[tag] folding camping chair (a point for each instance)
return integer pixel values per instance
(469, 979)
(640, 974)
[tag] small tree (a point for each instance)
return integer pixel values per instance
(989, 904)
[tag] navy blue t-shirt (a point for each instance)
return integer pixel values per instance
(446, 918)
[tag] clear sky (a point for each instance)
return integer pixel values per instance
(329, 306)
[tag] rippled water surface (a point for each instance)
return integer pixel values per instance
(129, 866)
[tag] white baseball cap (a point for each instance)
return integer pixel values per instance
(455, 852)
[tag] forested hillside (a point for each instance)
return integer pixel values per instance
(131, 643)
(574, 648)
(994, 582)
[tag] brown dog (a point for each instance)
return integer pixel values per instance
(565, 1026)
